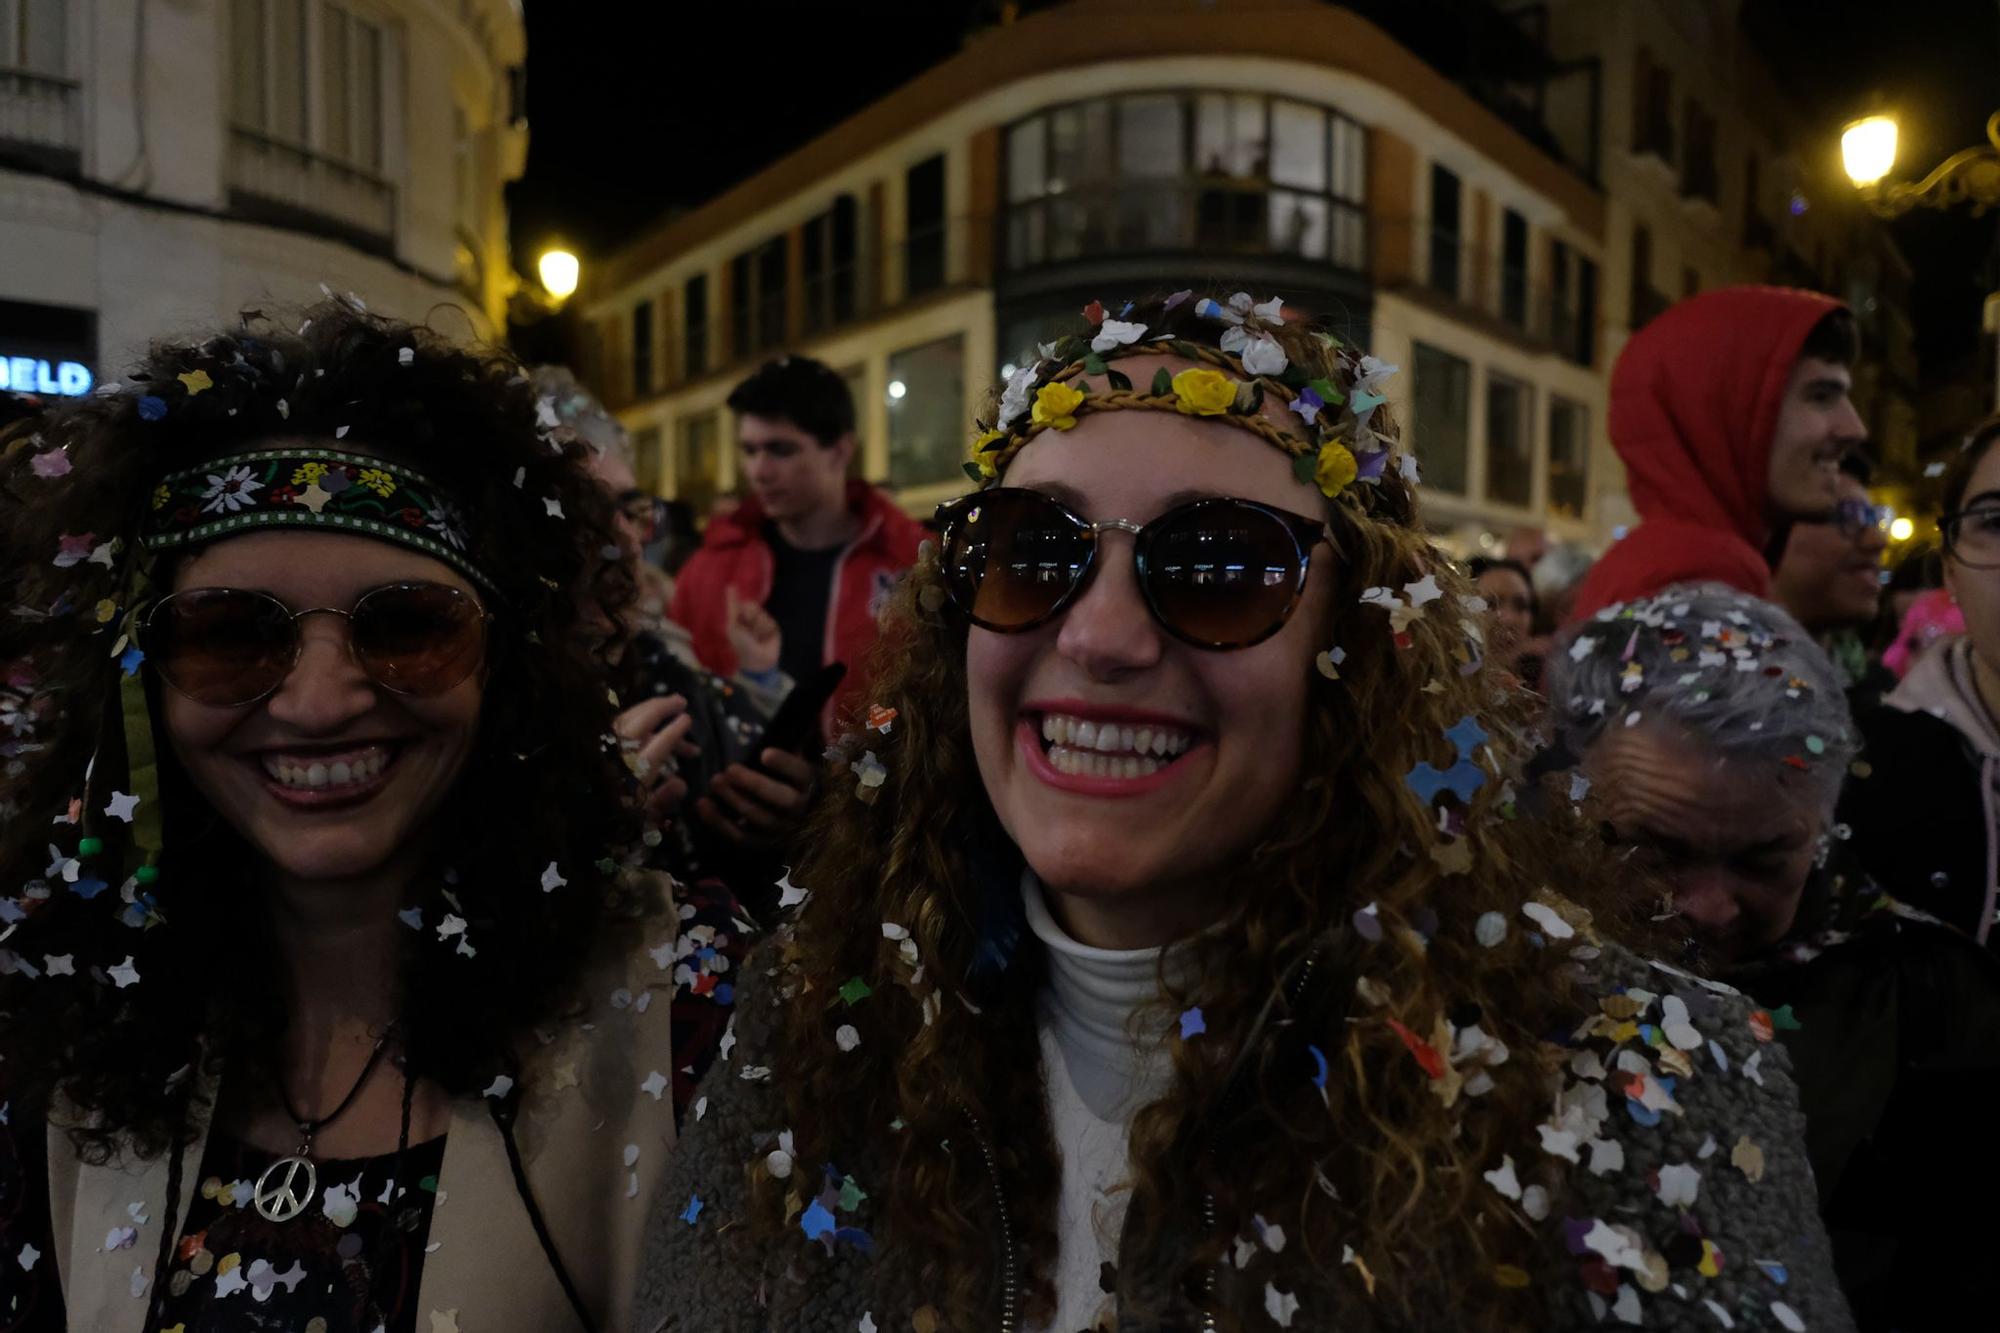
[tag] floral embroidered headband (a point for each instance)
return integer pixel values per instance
(1232, 384)
(305, 487)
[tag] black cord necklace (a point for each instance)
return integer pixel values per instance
(288, 1184)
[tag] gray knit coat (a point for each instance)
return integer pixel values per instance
(1716, 1241)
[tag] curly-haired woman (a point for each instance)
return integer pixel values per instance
(1177, 953)
(329, 993)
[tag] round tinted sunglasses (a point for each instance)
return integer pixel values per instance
(228, 647)
(1216, 574)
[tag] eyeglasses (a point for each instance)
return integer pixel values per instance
(1972, 536)
(1854, 517)
(1216, 574)
(644, 510)
(228, 647)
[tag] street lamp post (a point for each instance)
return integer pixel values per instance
(1972, 175)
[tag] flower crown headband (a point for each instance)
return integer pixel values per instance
(1231, 384)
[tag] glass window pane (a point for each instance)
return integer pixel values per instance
(1298, 145)
(333, 79)
(1149, 136)
(1079, 145)
(1298, 224)
(288, 70)
(1027, 240)
(246, 63)
(1026, 164)
(1350, 237)
(1442, 408)
(1510, 465)
(1152, 217)
(1569, 457)
(1229, 135)
(1350, 160)
(927, 419)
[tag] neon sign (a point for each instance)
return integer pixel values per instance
(27, 374)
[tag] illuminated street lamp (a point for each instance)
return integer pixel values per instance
(1868, 151)
(558, 270)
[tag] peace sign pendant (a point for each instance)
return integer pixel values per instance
(281, 1194)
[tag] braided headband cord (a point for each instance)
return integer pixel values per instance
(304, 487)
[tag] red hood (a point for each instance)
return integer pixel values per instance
(745, 523)
(1694, 404)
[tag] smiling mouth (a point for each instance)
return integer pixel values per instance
(1082, 747)
(317, 777)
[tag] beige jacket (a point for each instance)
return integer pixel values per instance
(583, 1115)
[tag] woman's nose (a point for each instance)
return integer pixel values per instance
(1108, 630)
(326, 688)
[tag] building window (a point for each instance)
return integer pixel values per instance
(646, 462)
(856, 379)
(1445, 242)
(33, 36)
(694, 326)
(698, 462)
(1237, 173)
(1442, 411)
(757, 279)
(926, 391)
(1758, 234)
(1514, 269)
(923, 227)
(1699, 177)
(642, 349)
(831, 266)
(1646, 300)
(1652, 107)
(1569, 457)
(309, 86)
(1510, 461)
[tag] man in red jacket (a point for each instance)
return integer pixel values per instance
(816, 551)
(1731, 414)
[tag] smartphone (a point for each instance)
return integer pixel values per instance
(796, 722)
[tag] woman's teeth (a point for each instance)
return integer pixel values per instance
(315, 774)
(1109, 749)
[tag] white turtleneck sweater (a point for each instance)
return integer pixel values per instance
(1097, 1076)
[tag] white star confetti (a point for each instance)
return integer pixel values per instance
(846, 1037)
(655, 1084)
(499, 1087)
(1280, 1305)
(125, 974)
(553, 506)
(122, 806)
(552, 879)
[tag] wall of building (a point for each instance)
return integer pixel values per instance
(132, 213)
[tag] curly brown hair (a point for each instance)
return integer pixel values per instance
(466, 416)
(1389, 1159)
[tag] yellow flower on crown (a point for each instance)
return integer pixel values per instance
(1055, 405)
(305, 474)
(1335, 468)
(160, 496)
(984, 450)
(1206, 393)
(378, 481)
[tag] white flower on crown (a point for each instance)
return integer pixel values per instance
(1014, 401)
(1372, 374)
(1115, 333)
(1264, 357)
(229, 492)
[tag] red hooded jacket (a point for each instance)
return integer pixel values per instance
(735, 555)
(1694, 405)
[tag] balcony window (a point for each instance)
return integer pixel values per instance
(1652, 108)
(39, 103)
(646, 462)
(1514, 269)
(694, 326)
(642, 349)
(1569, 457)
(309, 88)
(926, 399)
(924, 230)
(1445, 242)
(1233, 173)
(757, 298)
(1442, 411)
(1699, 176)
(832, 266)
(1510, 460)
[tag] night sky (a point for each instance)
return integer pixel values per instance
(659, 110)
